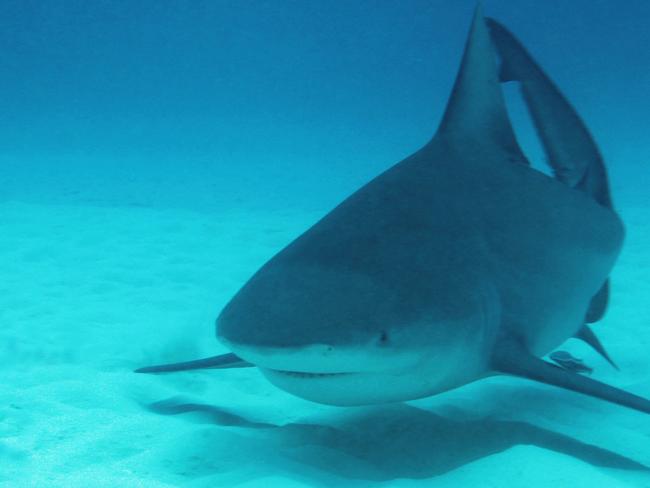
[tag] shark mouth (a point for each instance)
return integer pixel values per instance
(319, 361)
(304, 375)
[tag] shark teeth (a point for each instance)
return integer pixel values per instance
(300, 374)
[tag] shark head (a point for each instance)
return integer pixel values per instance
(343, 338)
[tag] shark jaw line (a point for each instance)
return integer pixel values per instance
(306, 375)
(340, 376)
(323, 360)
(350, 376)
(337, 389)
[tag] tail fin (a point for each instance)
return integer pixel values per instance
(570, 148)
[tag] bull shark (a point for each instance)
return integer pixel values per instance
(458, 263)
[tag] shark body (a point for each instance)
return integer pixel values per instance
(458, 263)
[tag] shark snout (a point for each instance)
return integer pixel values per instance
(294, 306)
(337, 341)
(311, 319)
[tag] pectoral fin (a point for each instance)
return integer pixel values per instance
(221, 362)
(513, 359)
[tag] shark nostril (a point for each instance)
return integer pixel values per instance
(383, 338)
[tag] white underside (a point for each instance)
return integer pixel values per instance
(361, 376)
(350, 389)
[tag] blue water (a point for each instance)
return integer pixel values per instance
(154, 153)
(266, 99)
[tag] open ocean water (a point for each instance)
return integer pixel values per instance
(154, 154)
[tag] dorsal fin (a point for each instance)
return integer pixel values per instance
(476, 109)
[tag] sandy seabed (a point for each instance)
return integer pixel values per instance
(89, 293)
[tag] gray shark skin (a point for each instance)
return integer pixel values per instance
(458, 263)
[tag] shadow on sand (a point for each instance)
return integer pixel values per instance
(390, 442)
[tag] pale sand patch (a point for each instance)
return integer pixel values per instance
(89, 293)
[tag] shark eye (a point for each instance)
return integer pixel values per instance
(383, 338)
